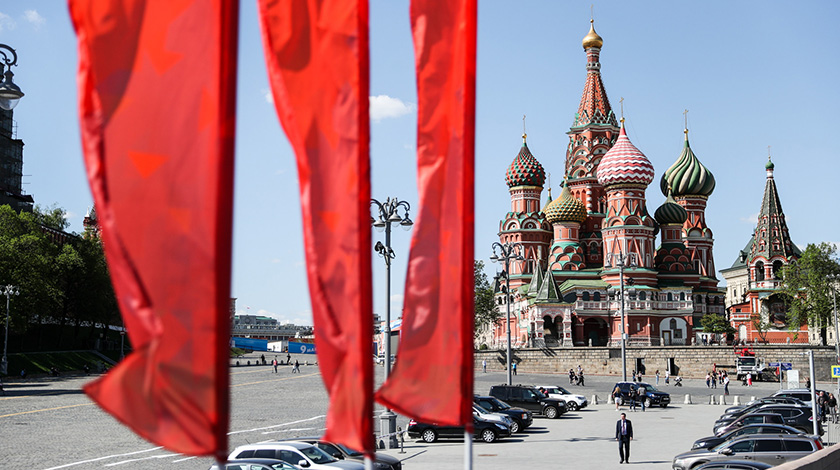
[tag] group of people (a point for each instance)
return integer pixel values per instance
(275, 363)
(576, 378)
(635, 397)
(827, 406)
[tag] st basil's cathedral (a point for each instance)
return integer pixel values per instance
(567, 289)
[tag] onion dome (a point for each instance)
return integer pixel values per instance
(566, 208)
(592, 39)
(687, 176)
(670, 212)
(769, 165)
(525, 169)
(624, 163)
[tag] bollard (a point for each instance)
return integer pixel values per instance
(610, 400)
(594, 399)
(711, 399)
(752, 398)
(722, 400)
(402, 439)
(735, 401)
(687, 399)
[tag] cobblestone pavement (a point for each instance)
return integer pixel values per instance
(48, 423)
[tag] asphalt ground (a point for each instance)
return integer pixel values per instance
(49, 424)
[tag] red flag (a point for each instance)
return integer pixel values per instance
(156, 102)
(317, 55)
(432, 380)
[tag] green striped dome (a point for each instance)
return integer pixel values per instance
(670, 212)
(565, 208)
(687, 177)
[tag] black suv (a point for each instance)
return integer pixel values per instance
(653, 396)
(530, 398)
(521, 417)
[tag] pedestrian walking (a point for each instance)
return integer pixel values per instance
(571, 376)
(749, 379)
(832, 406)
(624, 434)
(667, 376)
(726, 385)
(513, 368)
(274, 363)
(580, 378)
(633, 398)
(714, 379)
(708, 380)
(262, 359)
(484, 365)
(642, 395)
(296, 368)
(657, 376)
(616, 396)
(288, 358)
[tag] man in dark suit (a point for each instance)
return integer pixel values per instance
(624, 434)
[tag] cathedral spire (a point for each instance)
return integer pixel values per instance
(594, 105)
(772, 238)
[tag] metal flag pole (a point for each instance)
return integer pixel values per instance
(468, 457)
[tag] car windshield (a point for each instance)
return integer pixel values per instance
(564, 391)
(317, 455)
(648, 387)
(349, 451)
(499, 404)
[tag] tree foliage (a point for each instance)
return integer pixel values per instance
(62, 280)
(716, 323)
(807, 285)
(486, 313)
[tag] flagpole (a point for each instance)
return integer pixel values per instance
(468, 457)
(368, 463)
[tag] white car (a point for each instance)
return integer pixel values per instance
(573, 402)
(300, 454)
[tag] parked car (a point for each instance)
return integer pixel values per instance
(487, 431)
(773, 449)
(797, 416)
(711, 441)
(734, 464)
(528, 397)
(752, 418)
(521, 417)
(488, 415)
(573, 401)
(766, 400)
(653, 396)
(803, 394)
(341, 452)
(296, 453)
(256, 464)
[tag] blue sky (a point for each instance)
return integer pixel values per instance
(751, 74)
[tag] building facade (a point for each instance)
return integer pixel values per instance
(567, 289)
(11, 166)
(757, 310)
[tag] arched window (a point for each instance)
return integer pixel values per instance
(777, 266)
(597, 297)
(673, 324)
(670, 297)
(586, 296)
(682, 296)
(759, 271)
(642, 295)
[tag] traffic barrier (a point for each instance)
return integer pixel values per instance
(711, 399)
(736, 401)
(610, 400)
(687, 399)
(594, 399)
(752, 398)
(722, 400)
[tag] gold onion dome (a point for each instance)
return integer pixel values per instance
(670, 212)
(566, 208)
(592, 39)
(687, 176)
(525, 170)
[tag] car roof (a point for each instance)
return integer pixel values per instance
(774, 425)
(275, 445)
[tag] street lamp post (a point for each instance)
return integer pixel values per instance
(622, 261)
(10, 93)
(508, 252)
(833, 278)
(8, 291)
(388, 213)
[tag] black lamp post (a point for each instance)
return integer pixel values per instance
(622, 261)
(8, 291)
(389, 213)
(507, 252)
(10, 93)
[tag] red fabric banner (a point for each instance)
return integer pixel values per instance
(157, 83)
(318, 60)
(433, 377)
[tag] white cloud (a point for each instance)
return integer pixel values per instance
(34, 18)
(397, 298)
(6, 22)
(385, 107)
(269, 98)
(69, 215)
(753, 218)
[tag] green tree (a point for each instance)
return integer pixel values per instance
(486, 313)
(807, 287)
(716, 323)
(53, 217)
